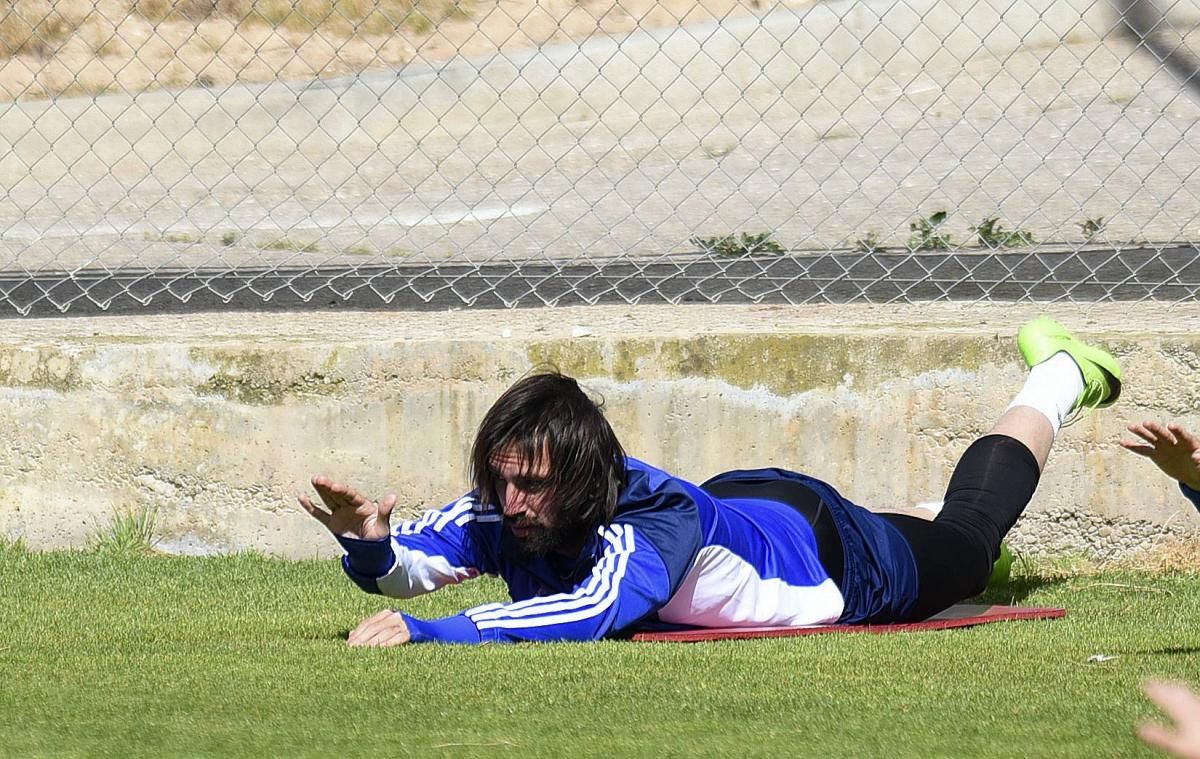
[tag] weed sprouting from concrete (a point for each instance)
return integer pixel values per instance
(736, 246)
(992, 234)
(1091, 228)
(13, 546)
(128, 532)
(868, 243)
(926, 234)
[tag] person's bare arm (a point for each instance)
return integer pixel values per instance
(1172, 448)
(1182, 739)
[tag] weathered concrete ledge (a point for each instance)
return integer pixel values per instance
(217, 421)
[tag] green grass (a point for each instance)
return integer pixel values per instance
(107, 654)
(128, 531)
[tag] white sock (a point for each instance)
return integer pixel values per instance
(1052, 388)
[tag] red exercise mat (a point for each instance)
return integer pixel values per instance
(961, 615)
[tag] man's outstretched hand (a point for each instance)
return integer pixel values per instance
(386, 628)
(1175, 450)
(1183, 707)
(350, 514)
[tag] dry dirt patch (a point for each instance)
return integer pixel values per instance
(56, 47)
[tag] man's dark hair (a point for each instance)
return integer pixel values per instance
(549, 415)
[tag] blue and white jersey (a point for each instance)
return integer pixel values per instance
(673, 555)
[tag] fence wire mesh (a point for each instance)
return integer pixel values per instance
(539, 152)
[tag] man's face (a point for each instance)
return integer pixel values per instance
(526, 498)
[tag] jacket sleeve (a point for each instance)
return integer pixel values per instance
(628, 582)
(422, 555)
(643, 559)
(1191, 495)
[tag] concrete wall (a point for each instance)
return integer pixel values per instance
(218, 421)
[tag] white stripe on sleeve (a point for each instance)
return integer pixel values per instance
(591, 599)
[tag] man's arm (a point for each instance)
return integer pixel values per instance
(629, 582)
(1174, 450)
(643, 559)
(419, 556)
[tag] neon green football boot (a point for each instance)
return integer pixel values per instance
(1002, 569)
(1043, 337)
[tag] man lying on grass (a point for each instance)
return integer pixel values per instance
(593, 543)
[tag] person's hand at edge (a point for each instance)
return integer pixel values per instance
(1172, 448)
(1182, 705)
(350, 514)
(387, 628)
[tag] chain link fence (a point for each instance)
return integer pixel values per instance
(161, 154)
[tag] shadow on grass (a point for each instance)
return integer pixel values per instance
(323, 635)
(1170, 651)
(1013, 593)
(1018, 589)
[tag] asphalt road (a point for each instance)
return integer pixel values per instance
(1168, 274)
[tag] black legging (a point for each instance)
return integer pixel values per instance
(990, 487)
(954, 553)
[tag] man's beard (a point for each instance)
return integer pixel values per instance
(541, 539)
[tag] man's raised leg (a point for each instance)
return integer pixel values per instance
(996, 477)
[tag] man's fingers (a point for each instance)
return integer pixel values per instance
(326, 489)
(1139, 448)
(1161, 432)
(386, 628)
(367, 626)
(378, 616)
(357, 499)
(1183, 435)
(346, 496)
(1177, 701)
(386, 505)
(318, 514)
(360, 633)
(1158, 736)
(1140, 430)
(337, 495)
(380, 637)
